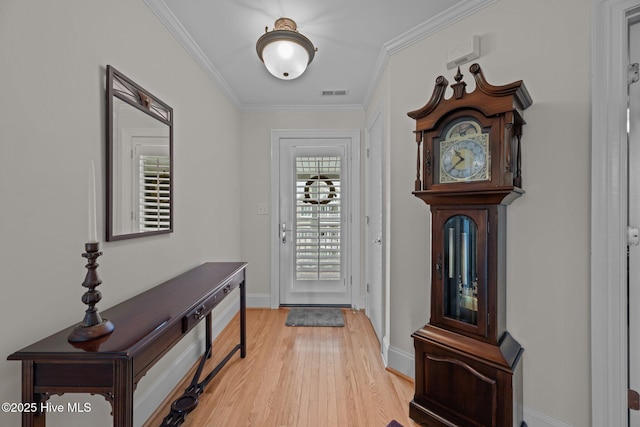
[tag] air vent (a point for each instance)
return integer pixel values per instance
(341, 92)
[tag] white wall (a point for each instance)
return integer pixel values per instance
(545, 43)
(53, 57)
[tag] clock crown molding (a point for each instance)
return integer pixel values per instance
(510, 97)
(517, 89)
(492, 196)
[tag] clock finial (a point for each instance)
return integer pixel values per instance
(458, 87)
(458, 75)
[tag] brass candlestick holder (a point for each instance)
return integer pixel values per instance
(92, 326)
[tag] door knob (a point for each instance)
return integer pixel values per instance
(632, 236)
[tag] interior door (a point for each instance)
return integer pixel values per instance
(314, 228)
(634, 221)
(373, 227)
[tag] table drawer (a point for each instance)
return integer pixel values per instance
(201, 310)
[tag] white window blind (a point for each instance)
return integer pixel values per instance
(318, 218)
(154, 203)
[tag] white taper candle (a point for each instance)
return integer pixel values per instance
(93, 227)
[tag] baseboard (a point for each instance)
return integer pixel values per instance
(259, 300)
(401, 361)
(158, 390)
(535, 418)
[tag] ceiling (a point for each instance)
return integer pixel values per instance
(354, 39)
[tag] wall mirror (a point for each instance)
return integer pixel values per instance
(139, 160)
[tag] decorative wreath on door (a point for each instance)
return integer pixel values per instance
(321, 200)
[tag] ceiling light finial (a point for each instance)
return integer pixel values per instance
(284, 51)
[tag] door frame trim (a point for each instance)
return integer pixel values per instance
(354, 263)
(609, 369)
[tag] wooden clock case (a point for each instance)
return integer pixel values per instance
(469, 372)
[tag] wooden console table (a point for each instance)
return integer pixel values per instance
(146, 327)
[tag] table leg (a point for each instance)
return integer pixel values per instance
(123, 393)
(243, 319)
(208, 334)
(30, 418)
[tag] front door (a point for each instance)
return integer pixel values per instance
(314, 225)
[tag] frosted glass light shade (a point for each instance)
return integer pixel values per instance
(285, 52)
(285, 59)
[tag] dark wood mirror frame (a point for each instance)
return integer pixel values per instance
(151, 114)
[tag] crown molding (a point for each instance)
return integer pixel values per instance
(378, 71)
(295, 107)
(438, 22)
(453, 14)
(160, 9)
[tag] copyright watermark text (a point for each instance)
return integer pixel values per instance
(70, 407)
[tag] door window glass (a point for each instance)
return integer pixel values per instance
(318, 218)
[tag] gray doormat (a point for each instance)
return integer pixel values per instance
(305, 316)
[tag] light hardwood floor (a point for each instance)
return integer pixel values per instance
(299, 376)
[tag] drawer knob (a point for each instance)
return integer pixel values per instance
(199, 313)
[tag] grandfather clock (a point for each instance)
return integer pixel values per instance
(468, 370)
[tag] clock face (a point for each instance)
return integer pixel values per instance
(464, 153)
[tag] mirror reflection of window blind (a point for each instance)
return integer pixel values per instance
(154, 193)
(318, 218)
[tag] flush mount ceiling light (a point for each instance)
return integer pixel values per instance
(284, 51)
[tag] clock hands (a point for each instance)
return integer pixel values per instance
(460, 160)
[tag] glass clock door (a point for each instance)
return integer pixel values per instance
(461, 269)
